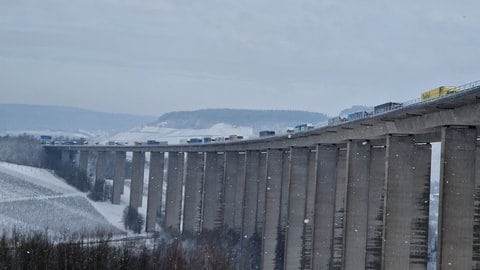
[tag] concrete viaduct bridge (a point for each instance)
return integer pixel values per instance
(350, 196)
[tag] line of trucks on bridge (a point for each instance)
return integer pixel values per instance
(438, 92)
(47, 139)
(262, 134)
(379, 109)
(389, 106)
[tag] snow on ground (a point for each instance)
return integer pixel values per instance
(36, 199)
(41, 177)
(113, 213)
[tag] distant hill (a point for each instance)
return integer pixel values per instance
(19, 117)
(257, 119)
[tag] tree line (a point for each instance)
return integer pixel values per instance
(38, 251)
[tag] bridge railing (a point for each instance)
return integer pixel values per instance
(469, 86)
(462, 89)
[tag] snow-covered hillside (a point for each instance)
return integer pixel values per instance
(35, 199)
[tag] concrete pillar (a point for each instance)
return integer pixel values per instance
(476, 217)
(262, 186)
(66, 159)
(54, 158)
(173, 207)
(83, 161)
(136, 185)
(192, 217)
(309, 219)
(376, 196)
(155, 185)
(252, 161)
(239, 194)
(100, 170)
(420, 214)
(358, 170)
(326, 163)
(118, 176)
(272, 206)
(231, 175)
(296, 207)
(283, 223)
(213, 198)
(398, 202)
(250, 241)
(456, 202)
(339, 221)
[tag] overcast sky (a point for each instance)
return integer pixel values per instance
(154, 56)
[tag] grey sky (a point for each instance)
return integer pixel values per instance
(155, 56)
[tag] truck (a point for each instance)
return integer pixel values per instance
(358, 115)
(385, 107)
(439, 92)
(233, 137)
(337, 121)
(155, 142)
(194, 140)
(266, 133)
(300, 128)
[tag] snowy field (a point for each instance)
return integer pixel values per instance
(35, 199)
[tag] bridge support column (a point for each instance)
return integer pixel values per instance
(398, 202)
(376, 202)
(339, 220)
(250, 208)
(54, 158)
(192, 217)
(100, 172)
(326, 164)
(476, 219)
(296, 207)
(358, 173)
(155, 186)
(66, 157)
(239, 193)
(118, 176)
(173, 207)
(421, 199)
(456, 202)
(284, 202)
(231, 172)
(83, 161)
(309, 219)
(252, 162)
(234, 190)
(213, 199)
(136, 185)
(262, 186)
(272, 206)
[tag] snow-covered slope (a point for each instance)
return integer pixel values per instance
(35, 199)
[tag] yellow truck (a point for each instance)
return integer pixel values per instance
(439, 92)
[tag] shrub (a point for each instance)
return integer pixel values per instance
(132, 219)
